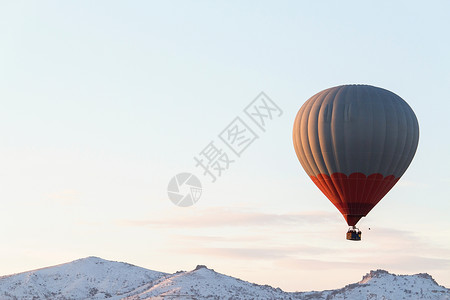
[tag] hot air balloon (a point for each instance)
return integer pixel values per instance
(355, 142)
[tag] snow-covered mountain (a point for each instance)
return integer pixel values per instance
(95, 278)
(86, 278)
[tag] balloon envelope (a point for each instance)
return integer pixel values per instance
(355, 142)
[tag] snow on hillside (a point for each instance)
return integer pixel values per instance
(87, 278)
(381, 284)
(95, 278)
(204, 283)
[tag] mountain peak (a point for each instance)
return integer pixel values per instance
(86, 278)
(198, 267)
(90, 259)
(374, 274)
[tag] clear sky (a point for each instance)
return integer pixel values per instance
(102, 102)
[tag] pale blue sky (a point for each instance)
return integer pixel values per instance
(103, 102)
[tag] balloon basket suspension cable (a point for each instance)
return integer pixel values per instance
(353, 234)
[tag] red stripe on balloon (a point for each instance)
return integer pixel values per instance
(354, 195)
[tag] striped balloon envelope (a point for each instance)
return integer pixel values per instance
(355, 142)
